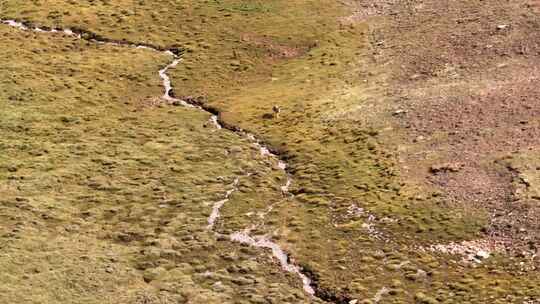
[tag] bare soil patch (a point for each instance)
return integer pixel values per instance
(465, 90)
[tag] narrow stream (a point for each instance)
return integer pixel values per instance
(242, 236)
(167, 80)
(217, 205)
(277, 252)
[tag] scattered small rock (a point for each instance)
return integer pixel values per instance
(482, 254)
(447, 167)
(399, 112)
(415, 77)
(419, 139)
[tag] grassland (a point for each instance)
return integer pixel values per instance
(106, 190)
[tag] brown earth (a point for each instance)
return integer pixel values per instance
(464, 92)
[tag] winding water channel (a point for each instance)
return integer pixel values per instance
(244, 236)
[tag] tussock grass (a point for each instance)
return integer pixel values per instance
(84, 149)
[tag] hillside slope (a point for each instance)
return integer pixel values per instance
(383, 151)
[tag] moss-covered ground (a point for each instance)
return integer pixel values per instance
(106, 189)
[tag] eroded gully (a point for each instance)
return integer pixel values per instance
(243, 236)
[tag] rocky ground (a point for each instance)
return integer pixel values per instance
(408, 131)
(465, 99)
